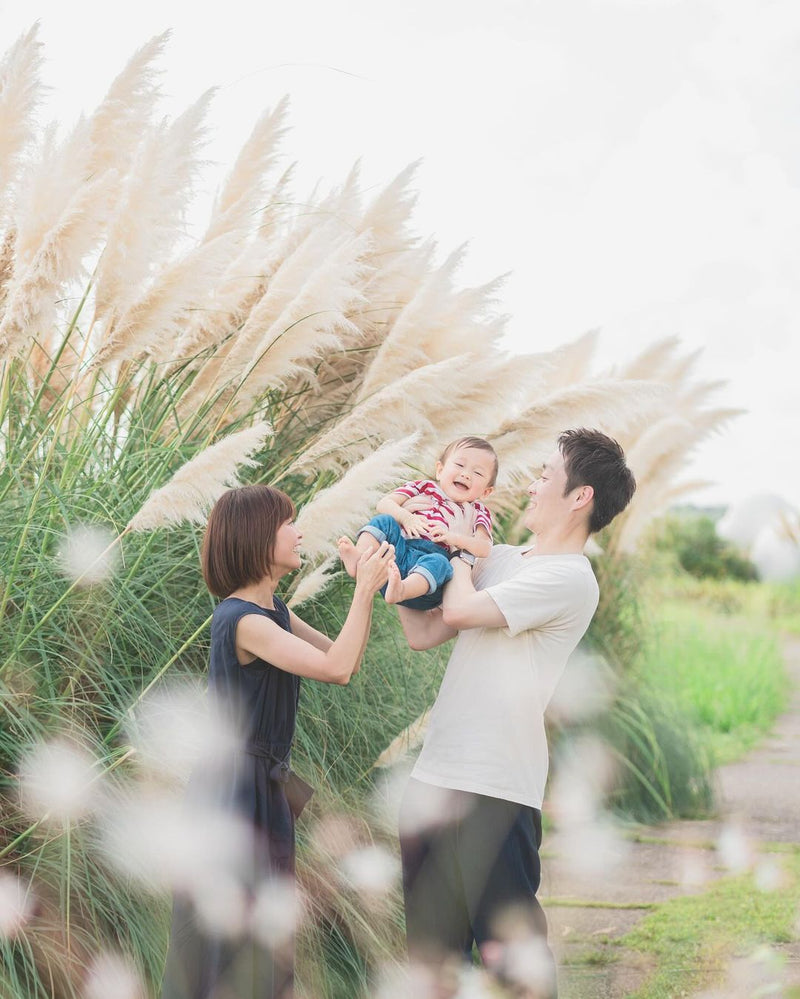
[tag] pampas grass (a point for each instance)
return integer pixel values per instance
(196, 486)
(144, 364)
(20, 93)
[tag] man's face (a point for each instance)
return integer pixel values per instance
(548, 504)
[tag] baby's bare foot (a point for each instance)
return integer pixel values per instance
(349, 555)
(394, 586)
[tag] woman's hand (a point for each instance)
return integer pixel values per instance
(372, 569)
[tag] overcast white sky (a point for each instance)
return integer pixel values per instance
(634, 163)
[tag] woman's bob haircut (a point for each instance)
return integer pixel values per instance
(239, 542)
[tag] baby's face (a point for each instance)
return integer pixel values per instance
(465, 474)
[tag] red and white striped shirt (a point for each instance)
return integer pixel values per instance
(442, 509)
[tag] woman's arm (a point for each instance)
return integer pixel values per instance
(258, 636)
(309, 634)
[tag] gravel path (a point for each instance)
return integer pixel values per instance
(759, 803)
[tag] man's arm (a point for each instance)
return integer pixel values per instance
(465, 607)
(424, 629)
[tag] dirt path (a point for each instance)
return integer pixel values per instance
(759, 802)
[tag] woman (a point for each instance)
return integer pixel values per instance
(259, 651)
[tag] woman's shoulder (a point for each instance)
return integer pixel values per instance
(232, 609)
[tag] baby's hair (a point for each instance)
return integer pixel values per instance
(239, 541)
(479, 444)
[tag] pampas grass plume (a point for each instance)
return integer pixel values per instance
(196, 486)
(20, 91)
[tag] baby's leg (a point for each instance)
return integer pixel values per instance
(380, 528)
(397, 589)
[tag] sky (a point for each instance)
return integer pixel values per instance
(633, 165)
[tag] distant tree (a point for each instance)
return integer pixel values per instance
(695, 544)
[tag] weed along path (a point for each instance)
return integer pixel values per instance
(697, 908)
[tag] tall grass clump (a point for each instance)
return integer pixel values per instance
(149, 361)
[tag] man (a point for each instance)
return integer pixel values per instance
(470, 822)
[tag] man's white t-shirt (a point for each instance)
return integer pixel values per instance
(486, 732)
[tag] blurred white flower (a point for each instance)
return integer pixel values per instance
(735, 849)
(400, 982)
(372, 870)
(221, 903)
(474, 983)
(175, 729)
(583, 773)
(58, 780)
(112, 977)
(277, 913)
(16, 905)
(426, 806)
(85, 555)
(769, 876)
(594, 849)
(166, 842)
(759, 974)
(694, 871)
(585, 689)
(528, 962)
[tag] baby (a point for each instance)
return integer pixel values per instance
(448, 517)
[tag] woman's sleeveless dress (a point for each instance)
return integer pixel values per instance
(262, 700)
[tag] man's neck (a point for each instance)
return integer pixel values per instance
(567, 543)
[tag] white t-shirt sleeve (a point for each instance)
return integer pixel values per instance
(534, 598)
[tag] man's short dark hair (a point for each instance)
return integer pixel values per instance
(591, 458)
(239, 542)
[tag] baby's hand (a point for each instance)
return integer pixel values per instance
(415, 526)
(439, 533)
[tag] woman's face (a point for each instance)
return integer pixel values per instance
(286, 556)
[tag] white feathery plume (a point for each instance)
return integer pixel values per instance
(657, 459)
(243, 193)
(296, 263)
(652, 362)
(196, 486)
(310, 584)
(6, 262)
(466, 322)
(311, 323)
(505, 385)
(349, 503)
(20, 93)
(32, 296)
(572, 361)
(420, 318)
(387, 215)
(150, 214)
(689, 398)
(655, 444)
(116, 126)
(231, 297)
(612, 405)
(408, 740)
(242, 283)
(155, 321)
(395, 409)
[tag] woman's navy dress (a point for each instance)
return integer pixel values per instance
(263, 700)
